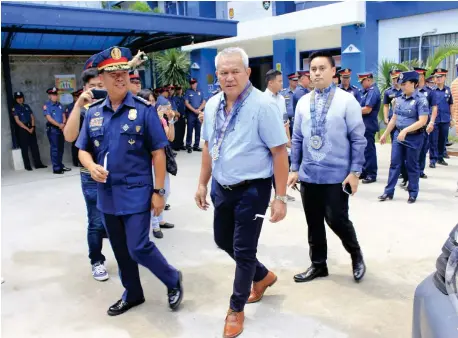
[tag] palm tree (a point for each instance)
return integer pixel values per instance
(172, 66)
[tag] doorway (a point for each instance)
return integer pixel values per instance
(259, 67)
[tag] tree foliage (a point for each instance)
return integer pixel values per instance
(172, 66)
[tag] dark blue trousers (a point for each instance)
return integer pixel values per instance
(237, 233)
(423, 151)
(408, 152)
(370, 153)
(56, 146)
(129, 238)
(95, 229)
(438, 142)
(193, 125)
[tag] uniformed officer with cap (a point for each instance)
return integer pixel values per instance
(370, 106)
(439, 135)
(288, 94)
(55, 116)
(135, 82)
(409, 118)
(124, 134)
(345, 77)
(195, 103)
(27, 137)
(391, 93)
(336, 77)
(432, 105)
(180, 124)
(430, 82)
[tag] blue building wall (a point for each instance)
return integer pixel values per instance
(205, 75)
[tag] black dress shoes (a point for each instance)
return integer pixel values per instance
(432, 165)
(28, 168)
(442, 162)
(189, 150)
(411, 200)
(423, 175)
(121, 306)
(166, 225)
(183, 148)
(359, 269)
(66, 169)
(175, 295)
(369, 180)
(385, 197)
(311, 273)
(58, 171)
(41, 166)
(197, 149)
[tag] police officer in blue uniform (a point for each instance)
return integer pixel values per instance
(288, 94)
(55, 115)
(23, 115)
(409, 118)
(345, 77)
(391, 93)
(180, 124)
(370, 106)
(124, 134)
(301, 90)
(195, 103)
(432, 105)
(439, 135)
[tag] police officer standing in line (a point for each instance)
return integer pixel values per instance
(370, 106)
(391, 93)
(195, 103)
(124, 134)
(180, 124)
(345, 77)
(432, 105)
(409, 118)
(55, 116)
(23, 115)
(439, 135)
(288, 93)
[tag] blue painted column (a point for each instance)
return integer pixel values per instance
(202, 9)
(283, 7)
(356, 61)
(205, 75)
(285, 56)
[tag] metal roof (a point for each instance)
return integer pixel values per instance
(29, 28)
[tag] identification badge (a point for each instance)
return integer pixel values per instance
(96, 122)
(316, 142)
(132, 114)
(96, 143)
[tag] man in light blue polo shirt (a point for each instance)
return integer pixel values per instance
(245, 144)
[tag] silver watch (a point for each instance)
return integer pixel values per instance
(284, 199)
(356, 173)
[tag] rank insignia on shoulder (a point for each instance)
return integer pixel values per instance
(141, 99)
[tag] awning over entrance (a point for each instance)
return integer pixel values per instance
(29, 28)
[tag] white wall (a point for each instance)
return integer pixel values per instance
(248, 10)
(86, 4)
(390, 31)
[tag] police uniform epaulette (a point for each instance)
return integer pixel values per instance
(95, 103)
(141, 99)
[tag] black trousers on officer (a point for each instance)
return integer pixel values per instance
(327, 202)
(180, 129)
(75, 160)
(237, 233)
(27, 140)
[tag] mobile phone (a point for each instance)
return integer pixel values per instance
(347, 189)
(99, 94)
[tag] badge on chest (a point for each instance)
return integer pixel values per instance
(96, 122)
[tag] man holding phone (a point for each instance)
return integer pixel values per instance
(327, 156)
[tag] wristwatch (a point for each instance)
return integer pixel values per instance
(161, 191)
(356, 173)
(284, 199)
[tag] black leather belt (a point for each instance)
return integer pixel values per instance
(241, 184)
(418, 131)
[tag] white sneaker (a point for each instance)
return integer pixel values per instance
(99, 272)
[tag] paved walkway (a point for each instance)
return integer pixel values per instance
(49, 291)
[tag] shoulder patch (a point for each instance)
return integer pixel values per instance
(141, 99)
(45, 107)
(96, 102)
(12, 109)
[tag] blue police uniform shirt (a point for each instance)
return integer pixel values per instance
(245, 151)
(179, 104)
(194, 97)
(390, 94)
(298, 93)
(55, 110)
(409, 109)
(371, 98)
(163, 101)
(352, 90)
(128, 135)
(288, 95)
(430, 97)
(69, 109)
(444, 100)
(23, 111)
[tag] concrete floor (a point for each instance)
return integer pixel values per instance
(49, 291)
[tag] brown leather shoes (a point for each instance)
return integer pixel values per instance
(260, 287)
(234, 324)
